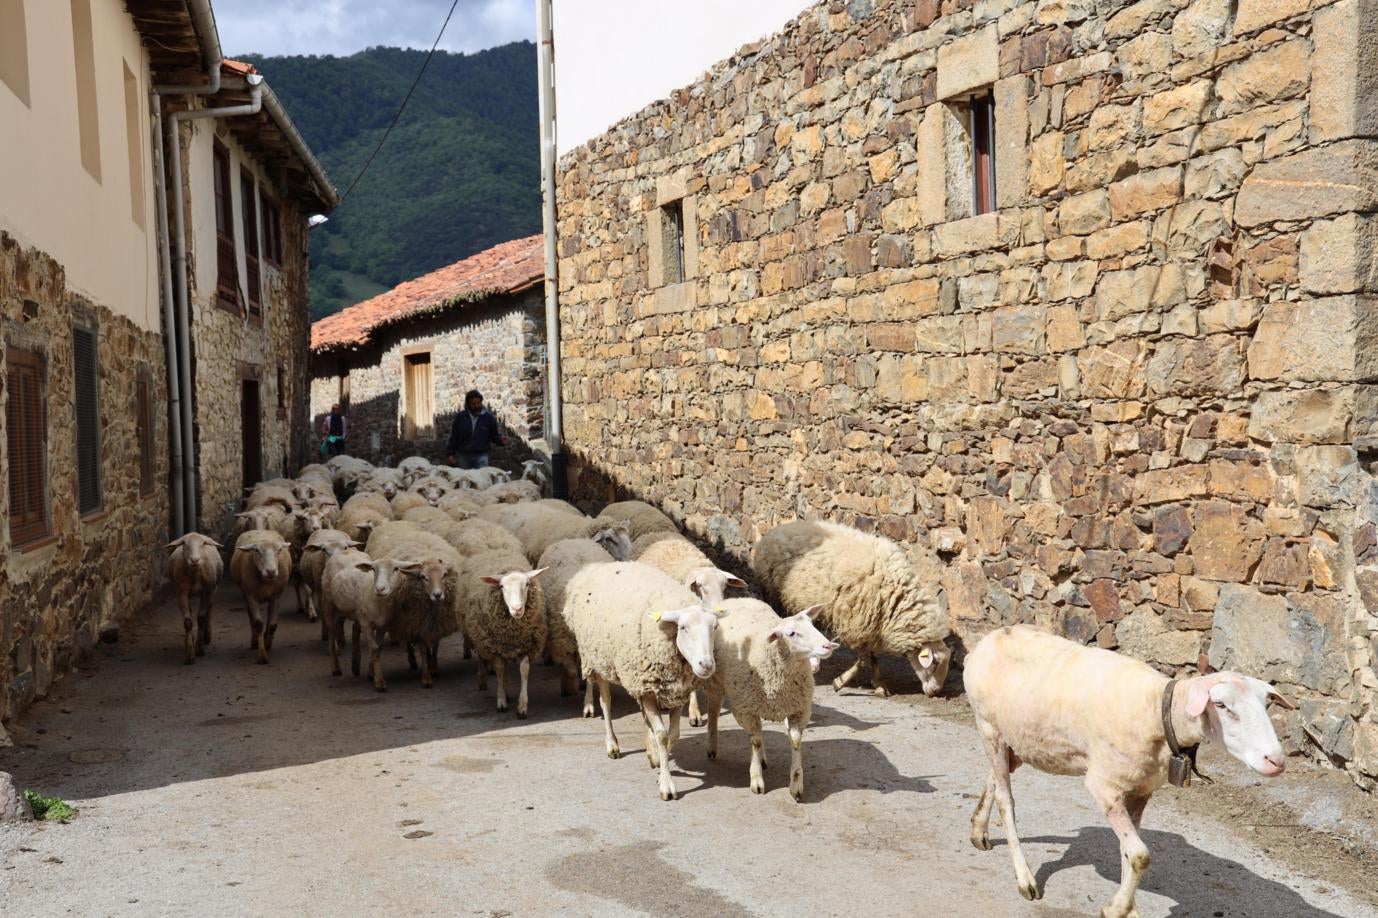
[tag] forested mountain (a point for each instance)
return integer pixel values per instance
(460, 172)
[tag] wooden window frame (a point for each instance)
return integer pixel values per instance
(226, 260)
(27, 528)
(271, 215)
(143, 425)
(410, 428)
(981, 111)
(253, 272)
(97, 432)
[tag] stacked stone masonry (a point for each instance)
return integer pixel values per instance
(495, 344)
(97, 569)
(1134, 404)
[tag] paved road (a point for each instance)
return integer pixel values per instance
(228, 788)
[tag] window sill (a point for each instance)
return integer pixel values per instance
(95, 516)
(29, 548)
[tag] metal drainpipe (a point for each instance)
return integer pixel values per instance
(179, 238)
(179, 527)
(546, 77)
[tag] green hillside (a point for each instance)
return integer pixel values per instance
(461, 171)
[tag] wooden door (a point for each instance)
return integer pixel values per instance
(251, 427)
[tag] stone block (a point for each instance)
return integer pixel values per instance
(1340, 255)
(13, 806)
(1303, 416)
(1328, 476)
(1011, 141)
(1290, 640)
(1165, 486)
(1345, 103)
(1047, 163)
(1280, 72)
(962, 237)
(1325, 340)
(1254, 15)
(1171, 530)
(969, 62)
(1201, 27)
(1082, 214)
(1064, 331)
(931, 144)
(1225, 542)
(1177, 107)
(1146, 192)
(1144, 635)
(1203, 366)
(1114, 371)
(1336, 179)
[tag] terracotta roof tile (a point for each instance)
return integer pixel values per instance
(507, 268)
(238, 68)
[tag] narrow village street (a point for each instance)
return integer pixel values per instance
(230, 788)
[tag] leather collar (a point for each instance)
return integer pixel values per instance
(1182, 765)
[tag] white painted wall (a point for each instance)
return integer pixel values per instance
(615, 57)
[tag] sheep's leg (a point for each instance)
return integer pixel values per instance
(335, 633)
(203, 629)
(1134, 857)
(425, 659)
(325, 629)
(588, 698)
(411, 657)
(250, 608)
(846, 679)
(260, 625)
(188, 626)
(878, 686)
(500, 672)
(652, 750)
(980, 817)
(433, 655)
(304, 599)
(1000, 771)
(354, 652)
(482, 676)
(468, 648)
(569, 678)
(650, 708)
(605, 699)
(374, 636)
(714, 706)
(272, 628)
(752, 725)
(795, 726)
(524, 667)
(674, 730)
(696, 718)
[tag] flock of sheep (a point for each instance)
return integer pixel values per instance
(417, 553)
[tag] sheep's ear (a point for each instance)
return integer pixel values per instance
(773, 636)
(214, 543)
(736, 582)
(926, 657)
(665, 618)
(175, 543)
(813, 611)
(536, 573)
(1198, 696)
(492, 581)
(1281, 699)
(244, 548)
(354, 544)
(719, 611)
(364, 566)
(313, 547)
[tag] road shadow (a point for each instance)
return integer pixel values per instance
(1200, 884)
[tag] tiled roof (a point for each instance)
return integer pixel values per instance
(507, 268)
(237, 68)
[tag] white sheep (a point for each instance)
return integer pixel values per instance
(873, 598)
(504, 617)
(428, 516)
(641, 517)
(765, 667)
(561, 562)
(387, 482)
(534, 470)
(374, 500)
(1066, 709)
(431, 487)
(459, 505)
(636, 627)
(267, 517)
(477, 536)
(359, 521)
(540, 527)
(270, 495)
(357, 587)
(320, 547)
(414, 467)
(563, 506)
(195, 567)
(261, 564)
(511, 492)
(407, 501)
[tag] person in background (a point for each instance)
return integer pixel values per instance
(334, 429)
(473, 434)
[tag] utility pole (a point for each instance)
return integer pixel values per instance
(554, 419)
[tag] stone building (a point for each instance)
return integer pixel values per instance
(85, 259)
(1076, 295)
(400, 363)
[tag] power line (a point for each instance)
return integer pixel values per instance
(403, 107)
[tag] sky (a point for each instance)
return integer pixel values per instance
(343, 27)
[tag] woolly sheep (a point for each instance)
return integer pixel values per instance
(561, 562)
(1066, 709)
(510, 492)
(388, 482)
(406, 501)
(534, 470)
(459, 505)
(504, 617)
(258, 518)
(414, 467)
(563, 506)
(426, 516)
(373, 500)
(357, 587)
(295, 528)
(765, 667)
(425, 610)
(636, 627)
(358, 522)
(261, 564)
(195, 567)
(431, 487)
(873, 599)
(641, 517)
(320, 547)
(265, 495)
(477, 536)
(540, 527)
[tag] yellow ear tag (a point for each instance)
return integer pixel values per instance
(656, 617)
(926, 656)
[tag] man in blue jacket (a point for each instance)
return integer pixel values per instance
(473, 434)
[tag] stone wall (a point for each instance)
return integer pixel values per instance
(1133, 404)
(96, 570)
(496, 346)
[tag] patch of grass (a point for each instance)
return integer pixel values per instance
(49, 809)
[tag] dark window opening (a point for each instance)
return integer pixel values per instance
(227, 271)
(87, 391)
(672, 242)
(144, 421)
(344, 393)
(282, 391)
(252, 277)
(982, 126)
(27, 446)
(272, 230)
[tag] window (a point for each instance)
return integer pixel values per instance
(272, 231)
(416, 382)
(143, 419)
(88, 116)
(344, 393)
(672, 242)
(14, 49)
(282, 391)
(982, 131)
(248, 193)
(133, 124)
(87, 391)
(27, 441)
(227, 273)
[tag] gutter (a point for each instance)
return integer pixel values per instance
(554, 413)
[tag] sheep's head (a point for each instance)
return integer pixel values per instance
(930, 663)
(264, 554)
(514, 586)
(1233, 709)
(258, 518)
(436, 578)
(309, 520)
(802, 638)
(711, 584)
(533, 470)
(195, 547)
(694, 627)
(387, 574)
(430, 489)
(615, 538)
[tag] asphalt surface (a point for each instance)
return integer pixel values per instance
(230, 788)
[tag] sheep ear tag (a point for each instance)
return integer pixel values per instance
(926, 657)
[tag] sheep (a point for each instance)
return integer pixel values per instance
(320, 547)
(534, 470)
(355, 586)
(430, 487)
(477, 536)
(261, 565)
(295, 528)
(359, 521)
(508, 492)
(372, 499)
(464, 479)
(873, 599)
(563, 506)
(504, 617)
(414, 467)
(459, 505)
(425, 611)
(195, 566)
(266, 495)
(641, 517)
(540, 527)
(348, 472)
(387, 482)
(765, 667)
(1066, 709)
(259, 518)
(406, 501)
(316, 471)
(635, 626)
(427, 516)
(561, 562)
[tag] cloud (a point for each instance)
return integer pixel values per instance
(345, 26)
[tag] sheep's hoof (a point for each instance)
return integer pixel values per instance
(758, 786)
(881, 691)
(521, 715)
(589, 712)
(981, 842)
(1030, 890)
(712, 753)
(697, 721)
(380, 688)
(614, 752)
(838, 684)
(797, 790)
(189, 660)
(668, 792)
